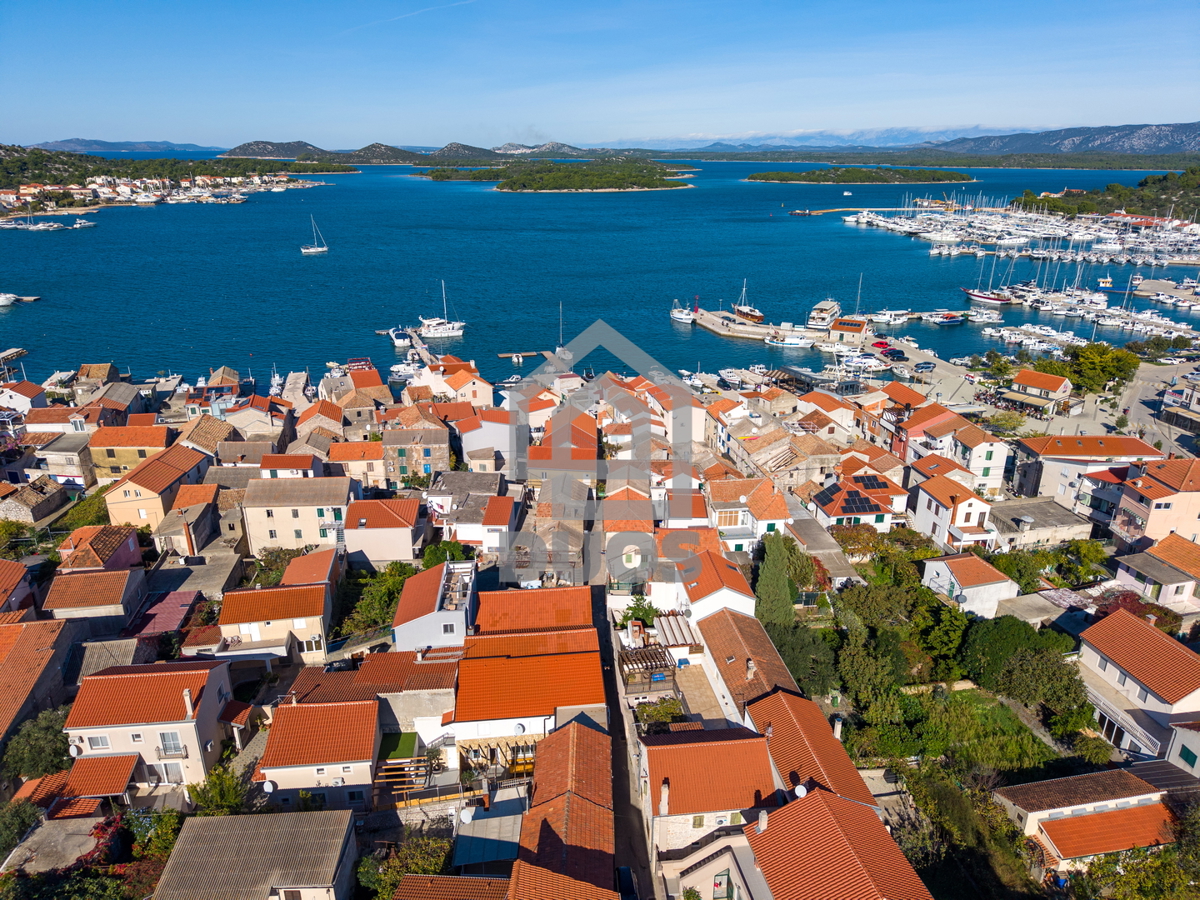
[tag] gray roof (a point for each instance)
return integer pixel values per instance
(297, 492)
(244, 451)
(244, 857)
(1045, 512)
(236, 477)
(90, 657)
(461, 484)
(1154, 568)
(70, 442)
(406, 437)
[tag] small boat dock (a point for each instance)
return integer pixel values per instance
(727, 324)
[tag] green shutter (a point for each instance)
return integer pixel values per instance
(1188, 756)
(401, 452)
(770, 526)
(337, 515)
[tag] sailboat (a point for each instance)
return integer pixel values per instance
(318, 245)
(744, 310)
(443, 327)
(561, 350)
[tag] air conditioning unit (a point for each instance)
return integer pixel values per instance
(338, 782)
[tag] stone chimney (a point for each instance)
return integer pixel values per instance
(751, 669)
(664, 798)
(762, 821)
(187, 703)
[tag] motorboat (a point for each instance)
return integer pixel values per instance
(744, 310)
(682, 314)
(8, 299)
(84, 223)
(730, 377)
(400, 337)
(891, 316)
(318, 245)
(775, 339)
(824, 313)
(944, 317)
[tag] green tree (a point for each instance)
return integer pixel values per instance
(40, 747)
(376, 605)
(1095, 750)
(1122, 422)
(939, 631)
(221, 794)
(16, 819)
(416, 855)
(642, 610)
(808, 654)
(1082, 561)
(1025, 567)
(866, 676)
(991, 643)
(1006, 421)
(877, 605)
(775, 592)
(443, 551)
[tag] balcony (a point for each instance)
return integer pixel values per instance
(171, 753)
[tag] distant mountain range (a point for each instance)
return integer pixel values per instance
(1180, 138)
(84, 145)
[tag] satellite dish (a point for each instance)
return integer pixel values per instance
(801, 792)
(467, 814)
(268, 787)
(518, 728)
(742, 499)
(76, 750)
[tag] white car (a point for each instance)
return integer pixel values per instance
(1172, 361)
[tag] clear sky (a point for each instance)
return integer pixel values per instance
(343, 74)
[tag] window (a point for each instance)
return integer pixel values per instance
(116, 470)
(735, 818)
(291, 895)
(370, 467)
(141, 514)
(427, 453)
(770, 526)
(318, 800)
(298, 623)
(426, 469)
(729, 518)
(324, 532)
(295, 513)
(1162, 505)
(1122, 678)
(270, 513)
(78, 424)
(320, 512)
(141, 454)
(135, 738)
(401, 452)
(929, 503)
(987, 470)
(347, 769)
(110, 453)
(967, 518)
(98, 743)
(321, 770)
(1103, 664)
(404, 470)
(1188, 756)
(1142, 694)
(272, 535)
(697, 821)
(170, 742)
(126, 493)
(879, 518)
(721, 889)
(312, 646)
(447, 628)
(337, 515)
(354, 796)
(274, 473)
(987, 457)
(299, 533)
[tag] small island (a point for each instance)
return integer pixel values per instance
(595, 175)
(877, 175)
(1154, 195)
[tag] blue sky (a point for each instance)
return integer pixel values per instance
(488, 71)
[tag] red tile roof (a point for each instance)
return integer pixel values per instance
(193, 494)
(1107, 832)
(288, 461)
(314, 734)
(1076, 790)
(1159, 662)
(141, 695)
(382, 514)
(1041, 380)
(93, 545)
(498, 512)
(161, 471)
(530, 882)
(688, 760)
(948, 492)
(43, 791)
(324, 408)
(26, 389)
(802, 746)
(451, 887)
(936, 464)
(708, 572)
(401, 671)
(419, 597)
(26, 649)
(1179, 474)
(1179, 553)
(680, 543)
(131, 436)
(902, 394)
(317, 567)
(971, 571)
(84, 590)
(525, 610)
(270, 603)
(1090, 447)
(762, 498)
(822, 840)
(519, 679)
(744, 656)
(356, 451)
(101, 776)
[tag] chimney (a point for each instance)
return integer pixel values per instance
(751, 669)
(293, 695)
(664, 798)
(762, 821)
(420, 655)
(837, 728)
(187, 703)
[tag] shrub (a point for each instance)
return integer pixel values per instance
(1095, 750)
(40, 747)
(16, 819)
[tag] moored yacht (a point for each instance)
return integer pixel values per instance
(441, 327)
(744, 310)
(682, 314)
(824, 313)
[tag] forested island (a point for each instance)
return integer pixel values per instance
(597, 175)
(22, 165)
(1155, 195)
(879, 175)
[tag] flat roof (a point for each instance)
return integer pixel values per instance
(1045, 512)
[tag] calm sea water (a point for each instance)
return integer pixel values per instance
(189, 287)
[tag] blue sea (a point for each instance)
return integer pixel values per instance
(186, 288)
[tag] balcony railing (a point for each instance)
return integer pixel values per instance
(171, 752)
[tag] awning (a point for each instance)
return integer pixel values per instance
(101, 776)
(1039, 402)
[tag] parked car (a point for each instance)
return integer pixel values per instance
(923, 367)
(882, 345)
(627, 885)
(896, 357)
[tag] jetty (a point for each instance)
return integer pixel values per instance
(727, 324)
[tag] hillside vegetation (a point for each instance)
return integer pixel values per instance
(1154, 195)
(21, 165)
(606, 175)
(879, 175)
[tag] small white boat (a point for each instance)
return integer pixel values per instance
(318, 245)
(901, 371)
(8, 299)
(730, 377)
(400, 337)
(84, 223)
(682, 314)
(847, 194)
(776, 339)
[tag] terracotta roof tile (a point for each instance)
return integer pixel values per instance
(936, 464)
(498, 512)
(307, 734)
(1159, 662)
(141, 695)
(674, 544)
(26, 649)
(687, 760)
(193, 494)
(83, 590)
(402, 671)
(971, 571)
(1108, 832)
(901, 394)
(162, 470)
(419, 597)
(947, 492)
(822, 840)
(289, 461)
(382, 514)
(131, 436)
(270, 603)
(101, 776)
(451, 887)
(26, 389)
(531, 882)
(1179, 553)
(1178, 474)
(206, 432)
(43, 791)
(93, 545)
(706, 573)
(744, 656)
(802, 746)
(525, 610)
(315, 685)
(325, 408)
(1090, 447)
(1041, 380)
(356, 451)
(1076, 790)
(540, 642)
(316, 567)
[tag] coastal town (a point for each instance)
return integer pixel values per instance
(595, 636)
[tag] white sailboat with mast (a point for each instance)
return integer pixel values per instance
(443, 327)
(318, 245)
